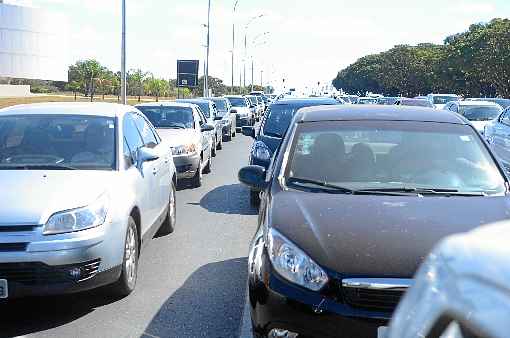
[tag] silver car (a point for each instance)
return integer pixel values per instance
(185, 129)
(84, 187)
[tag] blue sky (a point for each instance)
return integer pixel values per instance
(309, 41)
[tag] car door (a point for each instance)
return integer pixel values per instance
(205, 135)
(217, 123)
(160, 168)
(140, 175)
(500, 139)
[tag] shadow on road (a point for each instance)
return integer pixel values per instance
(28, 315)
(228, 199)
(209, 304)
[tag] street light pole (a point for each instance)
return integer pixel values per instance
(206, 80)
(233, 42)
(251, 74)
(246, 45)
(261, 83)
(123, 56)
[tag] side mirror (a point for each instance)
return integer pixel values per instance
(253, 176)
(145, 154)
(206, 127)
(249, 131)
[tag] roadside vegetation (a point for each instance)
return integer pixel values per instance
(473, 63)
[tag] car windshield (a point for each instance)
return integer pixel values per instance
(57, 142)
(169, 117)
(444, 99)
(416, 103)
(253, 100)
(367, 101)
(480, 113)
(237, 101)
(386, 100)
(221, 106)
(382, 155)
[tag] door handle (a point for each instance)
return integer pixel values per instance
(154, 171)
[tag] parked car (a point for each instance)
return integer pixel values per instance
(273, 128)
(186, 131)
(255, 106)
(225, 116)
(353, 200)
(209, 110)
(241, 107)
(387, 100)
(84, 187)
(261, 104)
(478, 112)
(414, 102)
(461, 290)
(367, 100)
(440, 100)
(497, 134)
(505, 103)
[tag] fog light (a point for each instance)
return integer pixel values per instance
(75, 273)
(281, 333)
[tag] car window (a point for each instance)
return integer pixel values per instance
(149, 138)
(168, 117)
(505, 118)
(133, 139)
(367, 155)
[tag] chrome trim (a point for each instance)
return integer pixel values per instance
(394, 284)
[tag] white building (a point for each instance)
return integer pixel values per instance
(33, 43)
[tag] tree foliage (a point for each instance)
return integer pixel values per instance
(473, 63)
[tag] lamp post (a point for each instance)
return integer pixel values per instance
(246, 44)
(123, 56)
(233, 42)
(206, 79)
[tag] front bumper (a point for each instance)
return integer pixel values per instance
(65, 263)
(186, 165)
(278, 304)
(242, 121)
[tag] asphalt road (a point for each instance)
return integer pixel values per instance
(191, 283)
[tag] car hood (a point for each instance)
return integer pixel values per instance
(177, 137)
(32, 196)
(377, 235)
(479, 125)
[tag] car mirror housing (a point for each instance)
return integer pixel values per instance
(249, 131)
(146, 155)
(253, 176)
(207, 127)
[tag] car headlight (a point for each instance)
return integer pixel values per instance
(78, 219)
(293, 264)
(184, 149)
(261, 151)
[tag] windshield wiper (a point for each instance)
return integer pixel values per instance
(323, 186)
(172, 126)
(424, 191)
(37, 167)
(271, 134)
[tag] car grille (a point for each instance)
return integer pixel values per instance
(36, 273)
(12, 247)
(17, 228)
(374, 300)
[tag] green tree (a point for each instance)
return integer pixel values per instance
(136, 80)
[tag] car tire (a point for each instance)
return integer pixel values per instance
(208, 167)
(220, 144)
(213, 151)
(129, 273)
(168, 225)
(196, 181)
(234, 132)
(254, 198)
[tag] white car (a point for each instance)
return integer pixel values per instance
(479, 113)
(440, 100)
(461, 290)
(186, 131)
(84, 187)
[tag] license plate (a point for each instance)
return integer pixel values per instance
(4, 293)
(382, 332)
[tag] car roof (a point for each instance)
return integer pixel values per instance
(377, 113)
(477, 103)
(193, 100)
(69, 108)
(167, 104)
(235, 96)
(452, 95)
(305, 101)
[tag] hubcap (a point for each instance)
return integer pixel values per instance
(130, 255)
(172, 206)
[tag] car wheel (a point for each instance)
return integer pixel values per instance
(234, 132)
(168, 225)
(220, 144)
(127, 280)
(196, 181)
(215, 143)
(254, 198)
(208, 167)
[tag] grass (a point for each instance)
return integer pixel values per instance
(7, 102)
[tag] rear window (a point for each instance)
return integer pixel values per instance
(169, 117)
